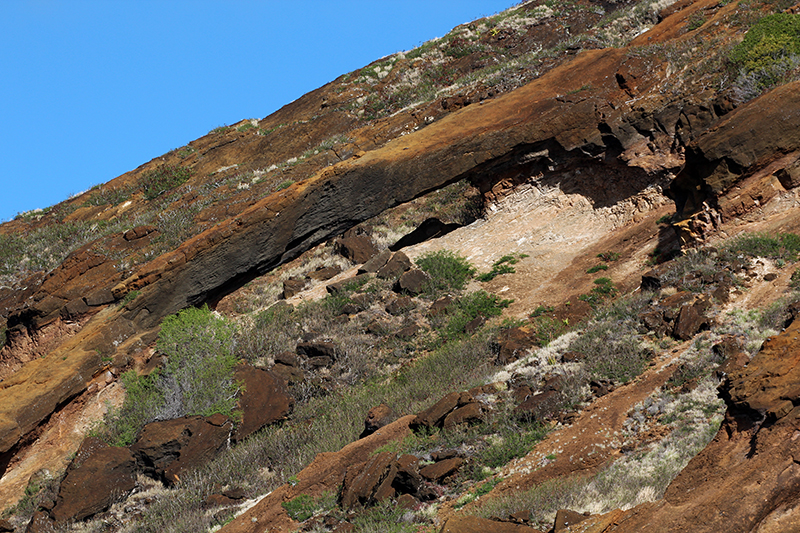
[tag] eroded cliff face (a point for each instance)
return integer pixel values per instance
(593, 135)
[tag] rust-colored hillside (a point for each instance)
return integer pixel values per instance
(559, 157)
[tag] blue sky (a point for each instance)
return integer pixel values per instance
(92, 89)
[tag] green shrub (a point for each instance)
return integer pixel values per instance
(609, 256)
(604, 289)
(448, 272)
(164, 178)
(468, 308)
(547, 329)
(196, 380)
(143, 398)
(542, 310)
(131, 296)
(770, 40)
(300, 508)
(767, 56)
(200, 363)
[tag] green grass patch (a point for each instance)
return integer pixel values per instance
(502, 266)
(300, 508)
(784, 246)
(156, 182)
(597, 268)
(466, 309)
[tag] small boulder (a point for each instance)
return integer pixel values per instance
(377, 262)
(292, 286)
(345, 284)
(317, 349)
(408, 479)
(470, 413)
(370, 482)
(324, 273)
(400, 305)
(434, 415)
(376, 418)
(789, 176)
(412, 282)
(441, 469)
(689, 322)
(394, 267)
(439, 306)
(287, 367)
(356, 247)
(407, 332)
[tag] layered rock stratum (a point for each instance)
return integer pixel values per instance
(618, 130)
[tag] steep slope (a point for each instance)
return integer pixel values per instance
(575, 149)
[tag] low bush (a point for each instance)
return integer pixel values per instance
(196, 380)
(597, 268)
(784, 246)
(604, 289)
(770, 49)
(466, 309)
(448, 272)
(300, 508)
(611, 344)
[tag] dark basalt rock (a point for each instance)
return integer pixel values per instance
(264, 400)
(412, 282)
(394, 267)
(99, 476)
(164, 450)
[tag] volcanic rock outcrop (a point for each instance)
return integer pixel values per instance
(574, 129)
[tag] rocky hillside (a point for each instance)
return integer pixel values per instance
(536, 275)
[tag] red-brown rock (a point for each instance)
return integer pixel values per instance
(395, 266)
(164, 450)
(264, 400)
(441, 469)
(369, 482)
(99, 476)
(356, 247)
(377, 417)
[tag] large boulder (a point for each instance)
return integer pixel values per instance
(97, 477)
(264, 400)
(165, 450)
